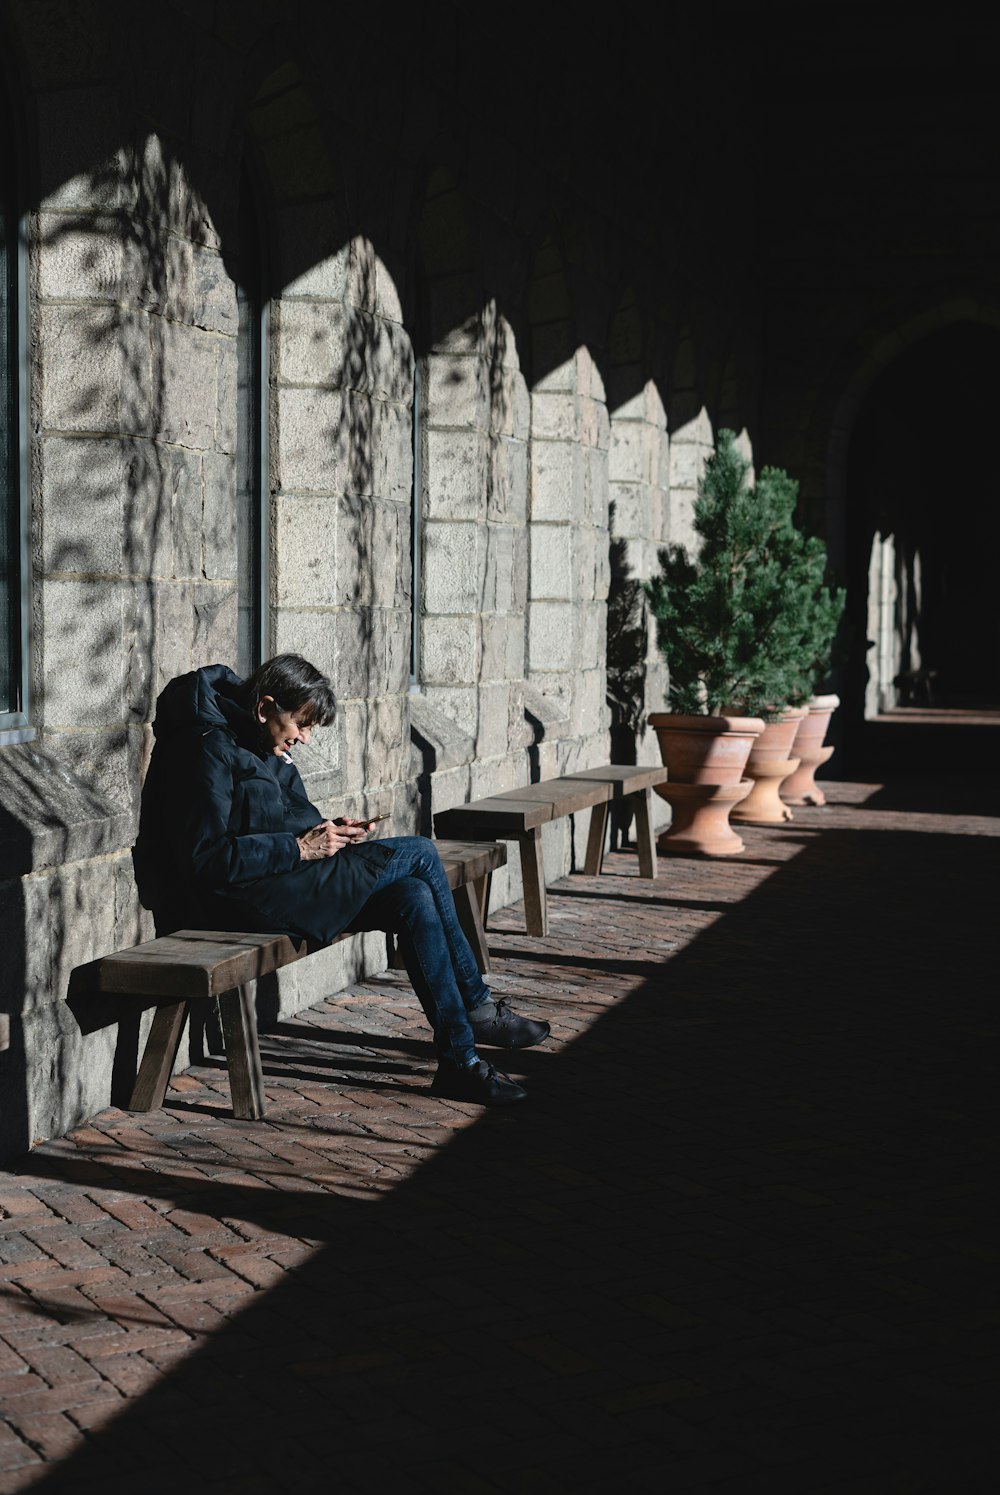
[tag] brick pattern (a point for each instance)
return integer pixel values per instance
(741, 1237)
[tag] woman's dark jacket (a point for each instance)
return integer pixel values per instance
(220, 815)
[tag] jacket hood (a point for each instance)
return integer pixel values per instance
(201, 701)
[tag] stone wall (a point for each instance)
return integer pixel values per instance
(503, 302)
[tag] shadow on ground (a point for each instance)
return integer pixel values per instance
(742, 1238)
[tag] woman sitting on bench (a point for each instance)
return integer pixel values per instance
(228, 840)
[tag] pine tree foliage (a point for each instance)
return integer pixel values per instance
(746, 625)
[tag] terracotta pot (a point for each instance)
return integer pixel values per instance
(769, 764)
(705, 757)
(801, 787)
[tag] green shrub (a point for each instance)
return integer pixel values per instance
(748, 623)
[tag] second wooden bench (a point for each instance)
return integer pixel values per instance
(519, 814)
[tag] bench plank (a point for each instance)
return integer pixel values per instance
(197, 963)
(486, 818)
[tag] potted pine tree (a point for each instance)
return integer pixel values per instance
(797, 615)
(738, 625)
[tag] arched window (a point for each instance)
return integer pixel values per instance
(251, 436)
(13, 596)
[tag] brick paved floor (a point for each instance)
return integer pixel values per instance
(741, 1238)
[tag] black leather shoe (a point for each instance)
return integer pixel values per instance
(480, 1083)
(503, 1029)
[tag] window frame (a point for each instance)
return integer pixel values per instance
(15, 724)
(252, 284)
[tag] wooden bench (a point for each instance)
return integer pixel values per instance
(519, 814)
(198, 965)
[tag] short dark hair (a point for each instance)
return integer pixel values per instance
(295, 685)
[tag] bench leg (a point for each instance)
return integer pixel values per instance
(595, 839)
(467, 906)
(246, 1079)
(642, 807)
(158, 1058)
(536, 914)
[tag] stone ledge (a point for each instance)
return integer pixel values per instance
(544, 715)
(49, 816)
(435, 734)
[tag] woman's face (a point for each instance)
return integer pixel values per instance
(283, 729)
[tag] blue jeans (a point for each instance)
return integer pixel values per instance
(412, 900)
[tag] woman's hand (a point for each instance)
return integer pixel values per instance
(324, 840)
(356, 830)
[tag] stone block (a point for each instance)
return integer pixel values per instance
(508, 480)
(598, 492)
(227, 389)
(392, 579)
(80, 258)
(186, 363)
(554, 417)
(557, 480)
(388, 742)
(305, 552)
(356, 557)
(320, 344)
(456, 474)
(174, 632)
(392, 452)
(310, 446)
(460, 704)
(215, 607)
(633, 510)
(360, 653)
(602, 571)
(213, 293)
(687, 461)
(398, 674)
(498, 588)
(456, 393)
(520, 569)
(177, 516)
(680, 521)
(591, 646)
(81, 352)
(389, 357)
(551, 561)
(495, 664)
(449, 651)
(219, 516)
(453, 565)
(84, 480)
(83, 652)
(585, 542)
(493, 735)
(550, 636)
(629, 452)
(312, 634)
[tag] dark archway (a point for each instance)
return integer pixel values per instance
(924, 530)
